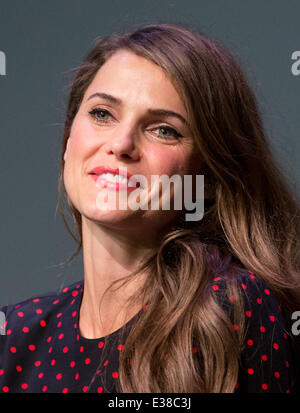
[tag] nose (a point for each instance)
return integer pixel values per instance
(122, 143)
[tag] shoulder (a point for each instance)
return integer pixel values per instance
(255, 291)
(247, 280)
(36, 309)
(267, 360)
(261, 307)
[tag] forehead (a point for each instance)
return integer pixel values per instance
(129, 76)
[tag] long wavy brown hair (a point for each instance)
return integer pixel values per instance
(251, 220)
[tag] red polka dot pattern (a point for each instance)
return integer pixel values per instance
(48, 353)
(267, 356)
(44, 352)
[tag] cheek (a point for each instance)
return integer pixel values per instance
(75, 153)
(176, 161)
(169, 161)
(77, 145)
(80, 144)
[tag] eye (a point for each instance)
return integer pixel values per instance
(98, 115)
(169, 132)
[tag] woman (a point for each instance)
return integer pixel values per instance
(166, 304)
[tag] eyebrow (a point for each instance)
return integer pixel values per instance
(157, 112)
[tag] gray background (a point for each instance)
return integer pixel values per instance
(43, 41)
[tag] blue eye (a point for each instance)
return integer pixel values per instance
(173, 132)
(97, 111)
(99, 115)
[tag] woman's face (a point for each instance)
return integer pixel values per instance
(122, 129)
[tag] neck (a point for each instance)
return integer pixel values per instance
(109, 256)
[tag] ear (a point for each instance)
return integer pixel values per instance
(66, 151)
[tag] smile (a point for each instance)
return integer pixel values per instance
(114, 181)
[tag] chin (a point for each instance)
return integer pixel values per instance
(120, 218)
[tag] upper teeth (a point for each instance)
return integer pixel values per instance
(115, 178)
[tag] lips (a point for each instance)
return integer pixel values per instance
(116, 171)
(99, 170)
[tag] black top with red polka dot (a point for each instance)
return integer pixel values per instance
(43, 350)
